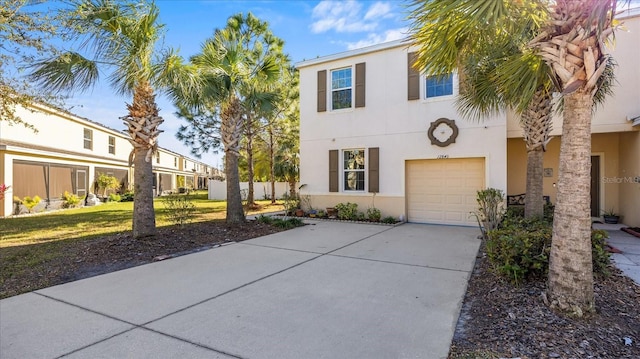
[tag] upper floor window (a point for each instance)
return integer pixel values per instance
(354, 169)
(158, 157)
(175, 162)
(112, 145)
(341, 88)
(436, 86)
(88, 139)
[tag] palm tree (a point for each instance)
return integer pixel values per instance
(223, 78)
(121, 39)
(573, 46)
(478, 39)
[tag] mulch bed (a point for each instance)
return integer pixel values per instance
(500, 320)
(91, 257)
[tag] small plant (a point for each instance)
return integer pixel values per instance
(3, 189)
(490, 209)
(599, 255)
(322, 214)
(69, 200)
(30, 203)
(127, 197)
(389, 220)
(347, 211)
(106, 182)
(290, 203)
(180, 209)
(264, 219)
(374, 214)
(114, 197)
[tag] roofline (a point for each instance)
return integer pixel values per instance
(350, 53)
(628, 13)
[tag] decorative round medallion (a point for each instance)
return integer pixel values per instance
(443, 132)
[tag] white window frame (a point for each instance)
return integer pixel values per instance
(344, 170)
(86, 140)
(111, 148)
(423, 89)
(331, 89)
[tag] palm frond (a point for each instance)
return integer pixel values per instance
(65, 72)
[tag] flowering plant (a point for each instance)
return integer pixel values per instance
(3, 188)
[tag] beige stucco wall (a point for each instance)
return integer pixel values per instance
(629, 172)
(389, 121)
(619, 158)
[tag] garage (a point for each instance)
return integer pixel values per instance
(444, 190)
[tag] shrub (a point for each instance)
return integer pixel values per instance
(106, 182)
(3, 189)
(180, 209)
(290, 203)
(69, 200)
(520, 248)
(374, 214)
(30, 203)
(127, 197)
(490, 209)
(389, 220)
(114, 197)
(347, 210)
(264, 219)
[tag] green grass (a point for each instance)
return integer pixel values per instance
(108, 218)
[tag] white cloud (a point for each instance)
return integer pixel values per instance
(378, 10)
(373, 39)
(347, 16)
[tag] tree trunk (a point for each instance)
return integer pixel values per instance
(144, 219)
(235, 212)
(272, 165)
(534, 203)
(570, 283)
(250, 195)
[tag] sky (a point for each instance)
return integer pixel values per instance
(309, 29)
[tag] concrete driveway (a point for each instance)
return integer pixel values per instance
(326, 290)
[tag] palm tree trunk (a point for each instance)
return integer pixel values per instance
(231, 131)
(534, 203)
(570, 283)
(272, 166)
(250, 194)
(144, 220)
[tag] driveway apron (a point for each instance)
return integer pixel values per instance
(326, 290)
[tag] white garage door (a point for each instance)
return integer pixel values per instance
(443, 191)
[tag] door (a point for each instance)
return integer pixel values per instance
(443, 191)
(81, 183)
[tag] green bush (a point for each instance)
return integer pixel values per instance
(180, 209)
(127, 197)
(490, 209)
(520, 249)
(264, 219)
(389, 220)
(374, 214)
(348, 211)
(69, 200)
(114, 197)
(106, 182)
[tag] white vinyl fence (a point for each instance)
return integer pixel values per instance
(261, 190)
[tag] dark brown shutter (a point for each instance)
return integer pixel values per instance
(361, 74)
(374, 172)
(333, 171)
(322, 91)
(413, 78)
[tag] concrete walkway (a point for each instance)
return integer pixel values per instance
(629, 260)
(327, 290)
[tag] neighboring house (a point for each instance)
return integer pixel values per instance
(376, 132)
(68, 152)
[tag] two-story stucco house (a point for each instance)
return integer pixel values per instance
(68, 152)
(376, 132)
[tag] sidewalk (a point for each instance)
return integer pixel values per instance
(629, 260)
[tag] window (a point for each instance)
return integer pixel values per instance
(158, 157)
(341, 88)
(112, 145)
(88, 139)
(437, 86)
(175, 162)
(353, 166)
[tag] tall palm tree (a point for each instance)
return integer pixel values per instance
(119, 38)
(573, 46)
(477, 39)
(223, 78)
